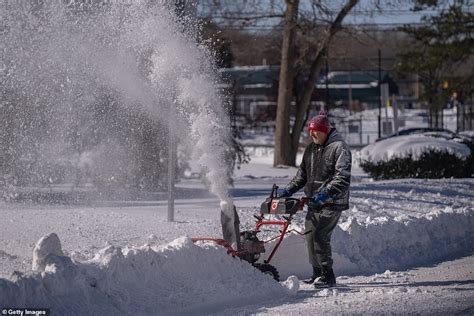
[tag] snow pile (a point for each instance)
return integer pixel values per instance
(468, 134)
(47, 247)
(177, 278)
(292, 284)
(382, 243)
(414, 145)
(395, 243)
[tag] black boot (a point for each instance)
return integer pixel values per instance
(327, 279)
(316, 274)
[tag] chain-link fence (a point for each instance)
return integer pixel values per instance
(358, 128)
(465, 117)
(364, 129)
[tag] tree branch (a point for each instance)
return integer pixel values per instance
(314, 70)
(238, 16)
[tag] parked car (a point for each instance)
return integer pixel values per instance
(428, 131)
(468, 134)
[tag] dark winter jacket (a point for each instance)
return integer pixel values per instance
(325, 167)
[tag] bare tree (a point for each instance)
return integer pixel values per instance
(308, 27)
(286, 139)
(306, 35)
(283, 140)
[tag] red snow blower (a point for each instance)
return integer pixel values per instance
(251, 247)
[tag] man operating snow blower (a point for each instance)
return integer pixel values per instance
(325, 174)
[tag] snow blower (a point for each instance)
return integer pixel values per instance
(251, 247)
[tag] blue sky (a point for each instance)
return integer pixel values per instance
(394, 12)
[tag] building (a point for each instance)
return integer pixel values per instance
(253, 91)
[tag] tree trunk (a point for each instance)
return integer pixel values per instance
(286, 144)
(283, 148)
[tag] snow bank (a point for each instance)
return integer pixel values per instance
(414, 145)
(177, 278)
(468, 134)
(382, 243)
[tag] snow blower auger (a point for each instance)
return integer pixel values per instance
(251, 247)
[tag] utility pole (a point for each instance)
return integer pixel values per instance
(171, 164)
(179, 6)
(380, 92)
(349, 100)
(327, 80)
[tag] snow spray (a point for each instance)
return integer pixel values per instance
(63, 60)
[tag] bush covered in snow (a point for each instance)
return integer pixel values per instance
(417, 156)
(431, 164)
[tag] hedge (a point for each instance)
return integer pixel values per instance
(431, 164)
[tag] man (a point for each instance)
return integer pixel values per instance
(325, 174)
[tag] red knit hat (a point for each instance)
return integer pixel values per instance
(319, 123)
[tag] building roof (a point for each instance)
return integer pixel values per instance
(264, 80)
(263, 76)
(362, 85)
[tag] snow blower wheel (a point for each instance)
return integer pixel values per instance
(268, 269)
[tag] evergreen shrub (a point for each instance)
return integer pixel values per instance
(431, 164)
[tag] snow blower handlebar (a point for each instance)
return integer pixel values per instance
(275, 205)
(286, 205)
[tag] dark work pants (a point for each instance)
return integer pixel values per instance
(321, 223)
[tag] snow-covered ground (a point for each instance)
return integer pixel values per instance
(404, 247)
(442, 289)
